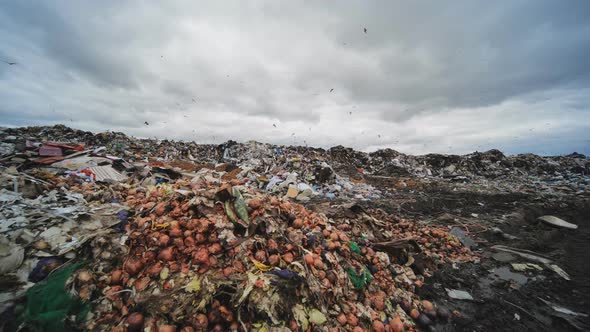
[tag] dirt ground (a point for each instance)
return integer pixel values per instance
(505, 300)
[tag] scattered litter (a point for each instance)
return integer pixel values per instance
(562, 309)
(507, 236)
(557, 222)
(249, 236)
(292, 192)
(11, 257)
(49, 304)
(503, 257)
(559, 271)
(521, 267)
(459, 294)
(463, 237)
(106, 173)
(530, 255)
(504, 273)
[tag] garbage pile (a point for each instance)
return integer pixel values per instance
(300, 173)
(545, 173)
(223, 257)
(127, 234)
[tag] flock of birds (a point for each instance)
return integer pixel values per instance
(274, 124)
(10, 63)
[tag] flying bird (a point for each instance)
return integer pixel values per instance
(9, 63)
(365, 30)
(331, 90)
(146, 123)
(194, 101)
(274, 125)
(379, 135)
(349, 113)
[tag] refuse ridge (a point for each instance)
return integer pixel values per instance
(131, 234)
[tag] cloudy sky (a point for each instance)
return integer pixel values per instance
(427, 76)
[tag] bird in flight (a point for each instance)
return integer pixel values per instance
(331, 90)
(274, 125)
(349, 113)
(194, 101)
(146, 123)
(365, 30)
(9, 63)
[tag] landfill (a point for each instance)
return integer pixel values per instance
(107, 232)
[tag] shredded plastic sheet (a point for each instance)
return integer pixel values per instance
(359, 280)
(261, 266)
(305, 316)
(354, 247)
(230, 213)
(49, 304)
(194, 285)
(240, 205)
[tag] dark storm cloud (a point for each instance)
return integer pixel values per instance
(462, 54)
(73, 41)
(427, 75)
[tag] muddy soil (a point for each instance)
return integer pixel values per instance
(505, 299)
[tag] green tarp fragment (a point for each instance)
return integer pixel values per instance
(354, 247)
(359, 280)
(48, 304)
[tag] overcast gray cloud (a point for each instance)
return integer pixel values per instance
(428, 76)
